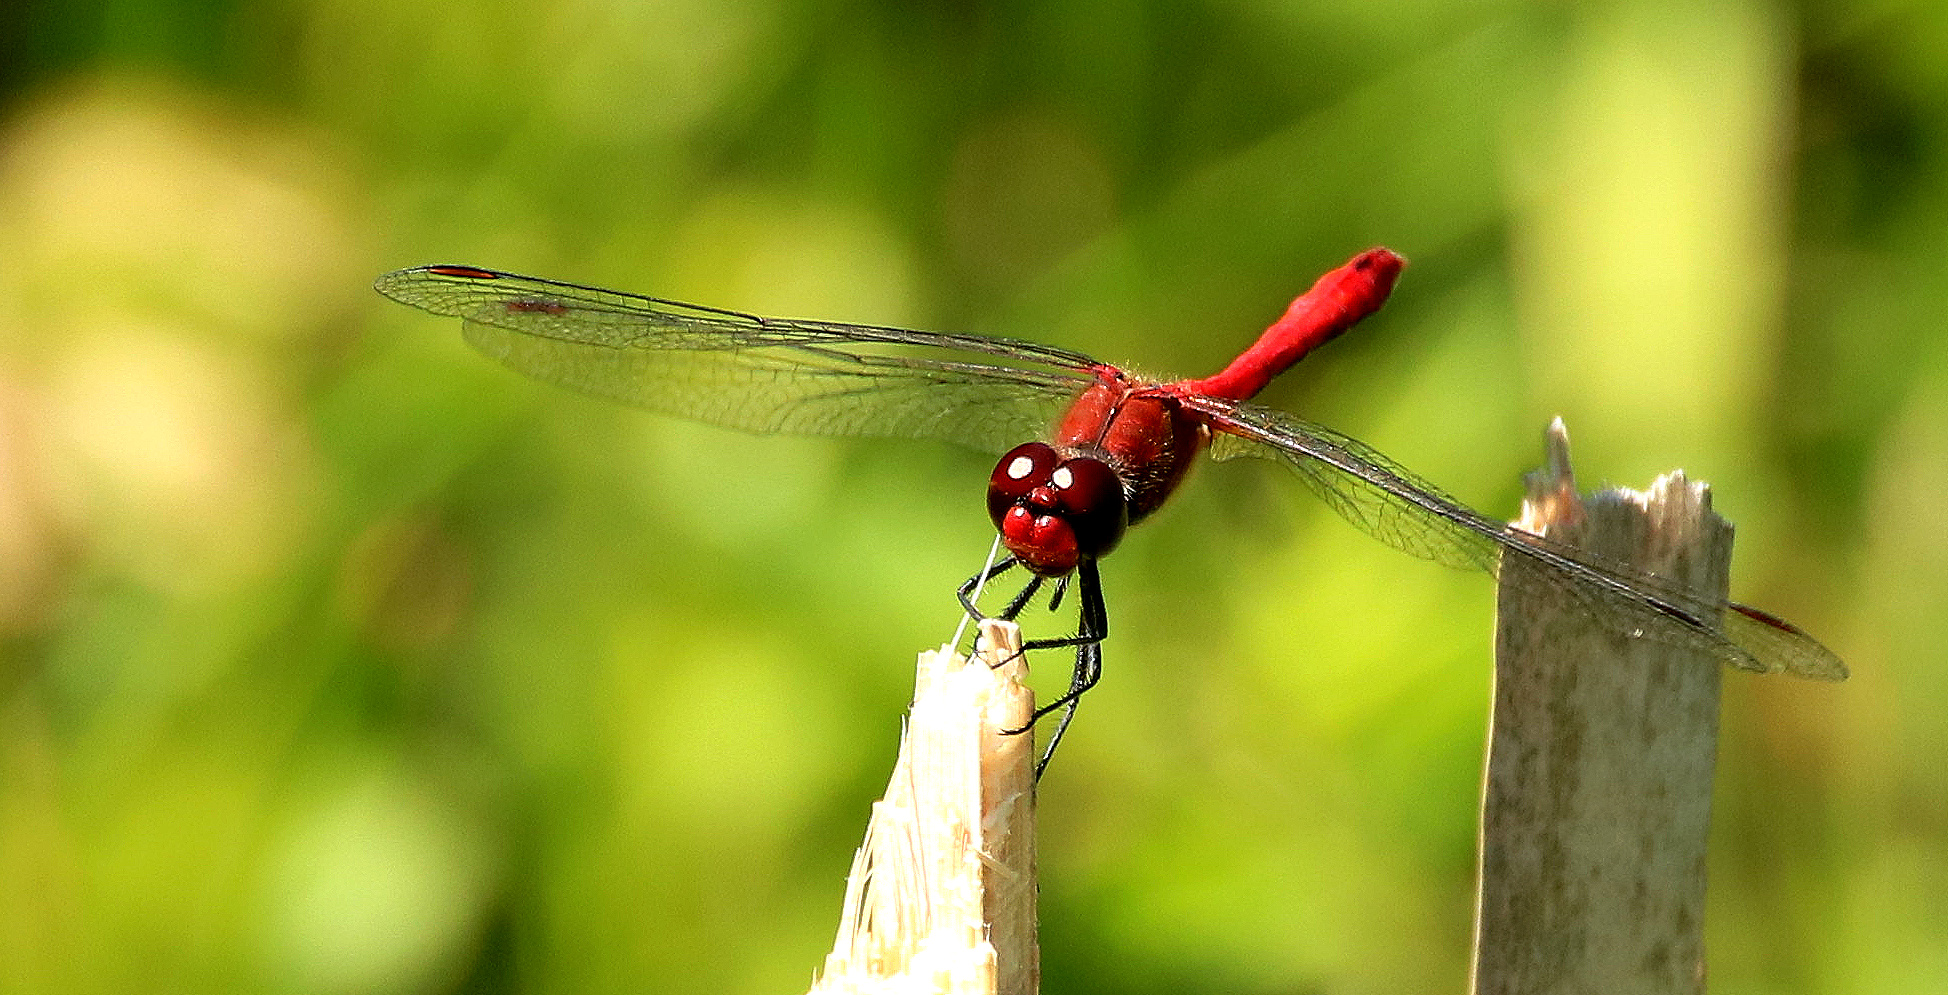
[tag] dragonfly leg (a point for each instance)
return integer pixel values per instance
(1061, 588)
(1091, 629)
(1088, 670)
(969, 591)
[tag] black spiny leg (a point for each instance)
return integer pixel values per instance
(1092, 627)
(969, 591)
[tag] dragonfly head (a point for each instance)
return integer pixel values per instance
(1054, 510)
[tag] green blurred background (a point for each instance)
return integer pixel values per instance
(334, 658)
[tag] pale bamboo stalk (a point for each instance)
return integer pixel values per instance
(941, 898)
(1597, 794)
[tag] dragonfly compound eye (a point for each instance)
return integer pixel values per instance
(1089, 496)
(1025, 468)
(1052, 511)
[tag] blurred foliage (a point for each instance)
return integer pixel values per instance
(334, 658)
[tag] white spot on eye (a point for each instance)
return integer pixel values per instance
(1019, 467)
(1063, 478)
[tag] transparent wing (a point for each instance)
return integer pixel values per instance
(750, 373)
(1410, 514)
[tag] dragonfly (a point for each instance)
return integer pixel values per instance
(1107, 447)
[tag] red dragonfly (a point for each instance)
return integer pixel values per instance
(1121, 443)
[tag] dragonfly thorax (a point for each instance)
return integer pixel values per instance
(1053, 509)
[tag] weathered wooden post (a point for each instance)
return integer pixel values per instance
(1597, 797)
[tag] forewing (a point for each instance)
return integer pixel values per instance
(750, 373)
(1408, 513)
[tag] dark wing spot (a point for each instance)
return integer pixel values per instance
(536, 307)
(1764, 617)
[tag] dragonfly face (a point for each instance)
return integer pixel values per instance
(1053, 510)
